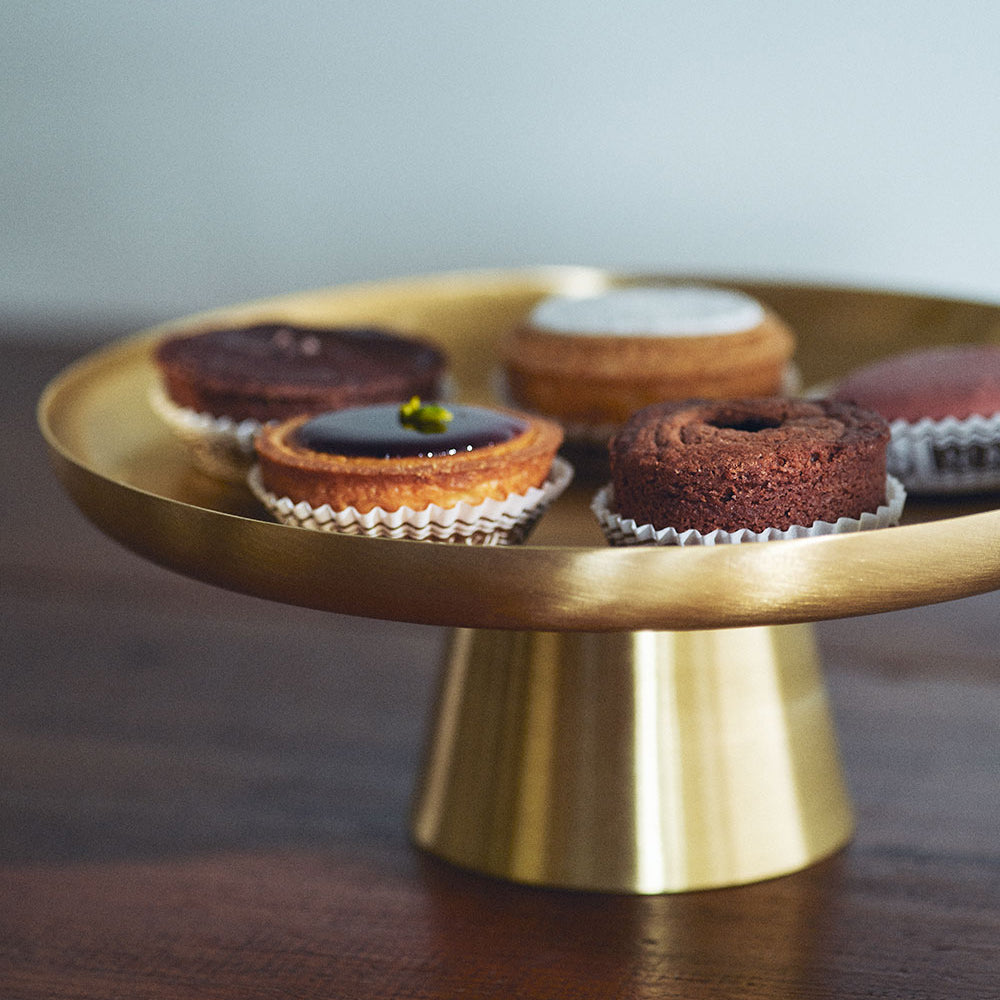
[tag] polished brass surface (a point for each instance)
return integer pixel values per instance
(133, 481)
(633, 762)
(636, 720)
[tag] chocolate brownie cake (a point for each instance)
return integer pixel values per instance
(748, 464)
(590, 362)
(273, 371)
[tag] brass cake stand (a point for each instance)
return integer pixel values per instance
(628, 720)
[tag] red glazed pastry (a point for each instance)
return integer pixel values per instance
(943, 404)
(934, 383)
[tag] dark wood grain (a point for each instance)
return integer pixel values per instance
(204, 795)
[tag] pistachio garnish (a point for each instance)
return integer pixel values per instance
(428, 418)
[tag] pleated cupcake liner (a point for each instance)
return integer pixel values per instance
(492, 522)
(621, 531)
(946, 457)
(219, 446)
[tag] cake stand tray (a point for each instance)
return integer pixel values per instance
(630, 719)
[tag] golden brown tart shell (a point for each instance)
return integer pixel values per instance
(495, 472)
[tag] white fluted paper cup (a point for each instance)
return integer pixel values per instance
(948, 456)
(624, 531)
(219, 446)
(492, 522)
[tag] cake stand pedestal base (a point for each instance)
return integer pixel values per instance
(632, 762)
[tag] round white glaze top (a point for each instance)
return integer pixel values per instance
(667, 311)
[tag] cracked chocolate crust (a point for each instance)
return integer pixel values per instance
(748, 463)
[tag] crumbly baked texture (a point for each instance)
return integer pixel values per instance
(273, 371)
(934, 383)
(291, 469)
(748, 463)
(592, 362)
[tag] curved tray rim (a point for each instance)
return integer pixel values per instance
(536, 587)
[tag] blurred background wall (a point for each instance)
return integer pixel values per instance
(161, 158)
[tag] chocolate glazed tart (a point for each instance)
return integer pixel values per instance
(273, 371)
(365, 458)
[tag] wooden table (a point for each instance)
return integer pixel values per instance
(205, 795)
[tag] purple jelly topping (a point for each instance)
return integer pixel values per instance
(376, 432)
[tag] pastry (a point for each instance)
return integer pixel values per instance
(591, 361)
(943, 404)
(274, 371)
(931, 383)
(397, 460)
(748, 464)
(218, 386)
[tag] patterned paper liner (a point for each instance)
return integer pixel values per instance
(492, 522)
(219, 446)
(947, 456)
(624, 531)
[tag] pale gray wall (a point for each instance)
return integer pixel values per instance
(159, 158)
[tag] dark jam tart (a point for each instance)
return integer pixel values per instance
(367, 458)
(387, 432)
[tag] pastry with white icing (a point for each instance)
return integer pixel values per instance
(591, 361)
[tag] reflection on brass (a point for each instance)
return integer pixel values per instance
(632, 762)
(134, 482)
(641, 728)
